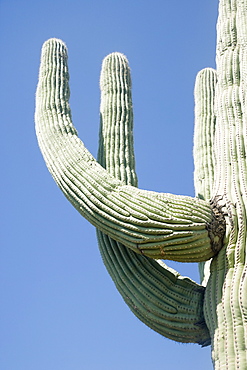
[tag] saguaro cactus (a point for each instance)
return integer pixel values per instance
(137, 228)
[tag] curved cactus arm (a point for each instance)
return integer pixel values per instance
(161, 298)
(154, 224)
(204, 135)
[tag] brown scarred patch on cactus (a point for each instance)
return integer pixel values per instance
(217, 227)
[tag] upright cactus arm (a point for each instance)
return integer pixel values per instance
(161, 298)
(204, 137)
(116, 148)
(204, 180)
(204, 133)
(157, 225)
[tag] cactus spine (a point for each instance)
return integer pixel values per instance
(135, 228)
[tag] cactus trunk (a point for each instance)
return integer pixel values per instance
(135, 228)
(225, 304)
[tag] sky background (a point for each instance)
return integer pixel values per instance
(59, 308)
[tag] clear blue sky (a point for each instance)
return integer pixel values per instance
(59, 308)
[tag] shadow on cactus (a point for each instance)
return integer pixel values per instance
(136, 228)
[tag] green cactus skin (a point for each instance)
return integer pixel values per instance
(134, 225)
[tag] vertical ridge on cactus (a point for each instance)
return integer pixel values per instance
(137, 227)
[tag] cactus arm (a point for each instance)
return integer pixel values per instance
(204, 133)
(204, 159)
(116, 152)
(203, 152)
(158, 225)
(162, 299)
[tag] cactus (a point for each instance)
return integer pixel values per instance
(138, 228)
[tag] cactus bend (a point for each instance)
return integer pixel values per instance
(136, 229)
